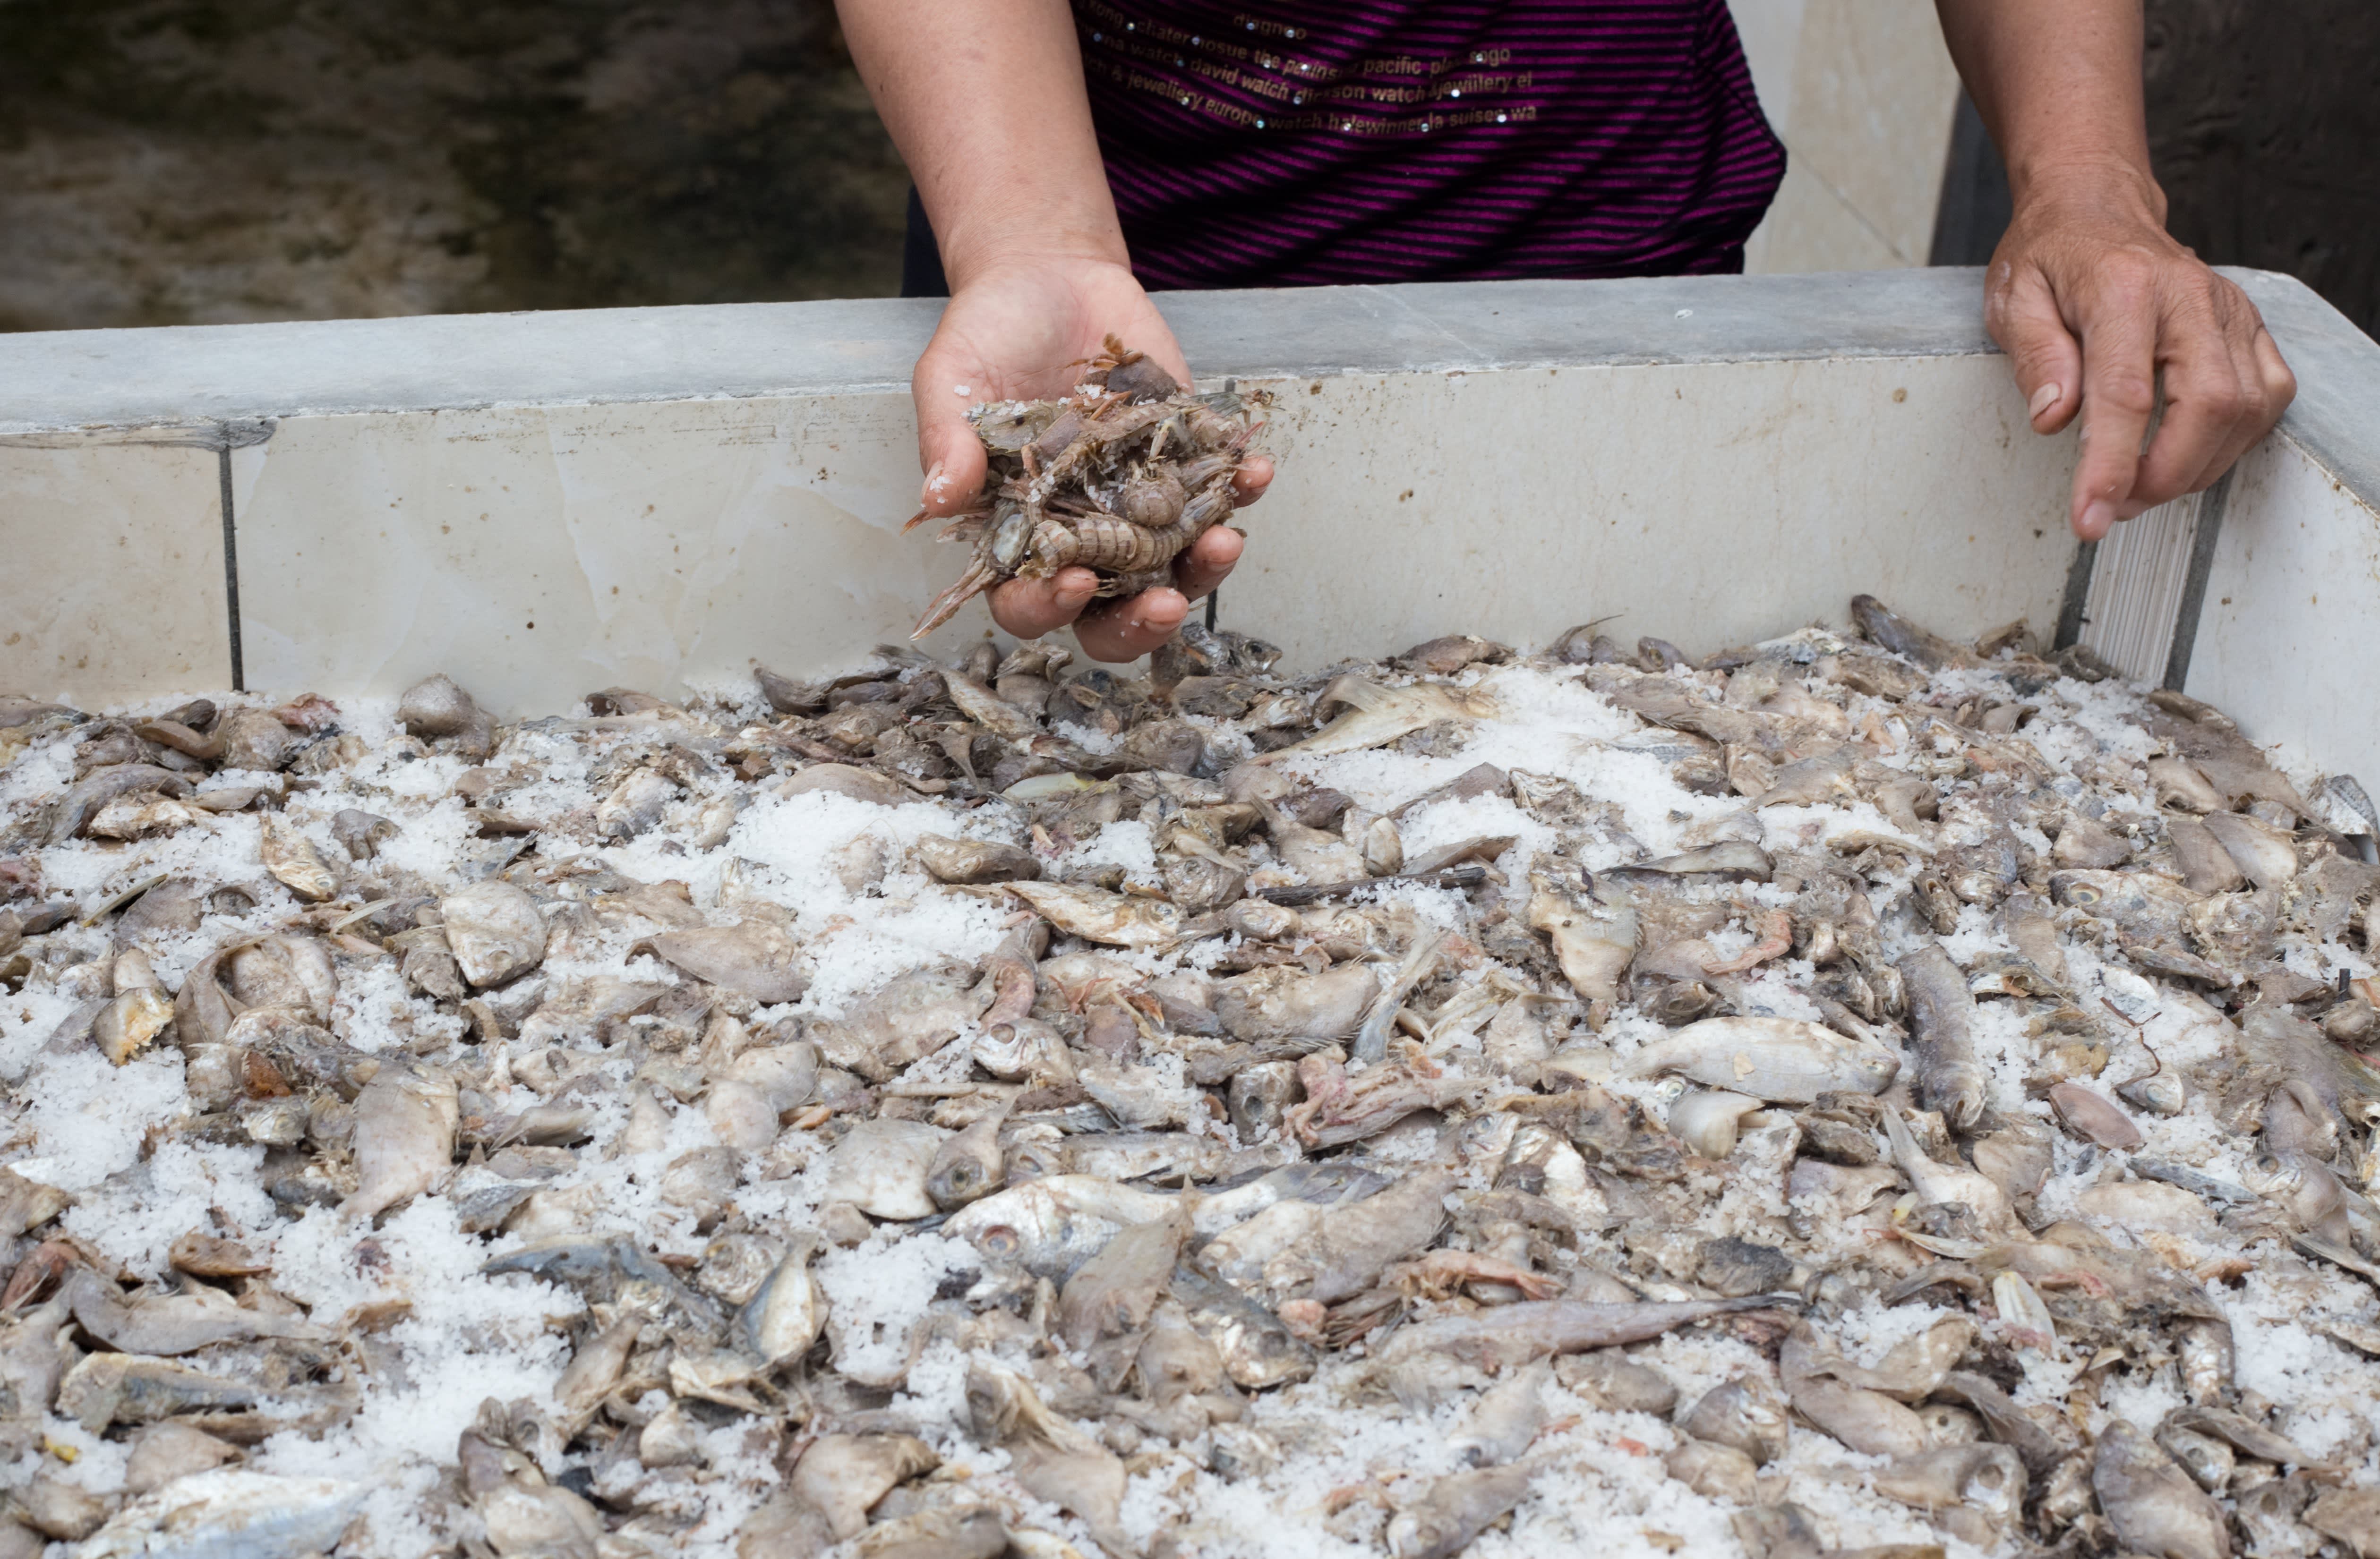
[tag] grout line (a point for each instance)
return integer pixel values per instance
(2211, 504)
(2071, 620)
(231, 566)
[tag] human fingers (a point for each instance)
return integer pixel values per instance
(1126, 630)
(1208, 562)
(949, 452)
(1030, 607)
(2210, 388)
(2272, 387)
(2273, 373)
(2021, 312)
(1248, 483)
(2117, 318)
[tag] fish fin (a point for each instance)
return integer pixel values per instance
(1904, 1144)
(1354, 690)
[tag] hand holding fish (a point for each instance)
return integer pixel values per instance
(1024, 329)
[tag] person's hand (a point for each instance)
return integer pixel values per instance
(1021, 330)
(2090, 299)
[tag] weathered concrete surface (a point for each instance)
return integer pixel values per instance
(163, 161)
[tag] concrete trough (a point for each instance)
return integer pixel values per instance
(546, 503)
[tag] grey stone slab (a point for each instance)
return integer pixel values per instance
(191, 374)
(182, 376)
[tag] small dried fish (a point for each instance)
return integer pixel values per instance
(1779, 1059)
(294, 862)
(494, 931)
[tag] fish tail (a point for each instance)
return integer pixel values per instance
(1353, 690)
(972, 583)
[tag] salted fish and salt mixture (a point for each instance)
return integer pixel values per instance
(1857, 1094)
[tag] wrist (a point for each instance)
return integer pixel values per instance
(980, 243)
(2101, 184)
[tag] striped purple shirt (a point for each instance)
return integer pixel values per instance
(1314, 143)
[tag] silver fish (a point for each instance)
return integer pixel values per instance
(1354, 1244)
(494, 931)
(1053, 1224)
(784, 1317)
(1987, 1481)
(1942, 1017)
(1289, 1003)
(969, 861)
(1375, 716)
(171, 1325)
(2153, 1505)
(1940, 1184)
(967, 1167)
(1777, 1059)
(1608, 1378)
(1512, 1335)
(1505, 1420)
(2094, 1119)
(1714, 1471)
(1113, 1292)
(1455, 1509)
(1114, 920)
(1868, 1421)
(2265, 856)
(228, 1511)
(1747, 1413)
(844, 1475)
(405, 1124)
(1257, 1352)
(294, 861)
(882, 1167)
(1593, 943)
(753, 957)
(1049, 1457)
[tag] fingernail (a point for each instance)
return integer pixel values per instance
(935, 482)
(2098, 517)
(2044, 398)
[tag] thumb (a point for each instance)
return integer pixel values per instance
(2022, 313)
(948, 451)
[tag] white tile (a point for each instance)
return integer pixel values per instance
(1771, 33)
(1709, 504)
(1862, 93)
(111, 568)
(2290, 631)
(656, 544)
(538, 553)
(1811, 228)
(1873, 96)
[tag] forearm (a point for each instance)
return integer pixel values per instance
(2058, 85)
(985, 99)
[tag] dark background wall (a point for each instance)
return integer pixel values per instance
(2264, 122)
(185, 161)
